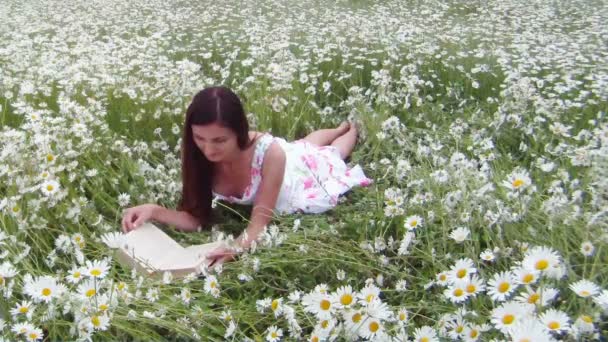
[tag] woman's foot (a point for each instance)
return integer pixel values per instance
(344, 127)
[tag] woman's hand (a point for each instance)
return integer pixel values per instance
(134, 217)
(220, 255)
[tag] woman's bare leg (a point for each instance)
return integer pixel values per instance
(324, 137)
(346, 142)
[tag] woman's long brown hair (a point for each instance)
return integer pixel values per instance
(210, 105)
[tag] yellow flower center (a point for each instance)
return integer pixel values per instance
(553, 325)
(274, 334)
(528, 278)
(121, 286)
(504, 287)
(508, 319)
(103, 307)
(1, 281)
(424, 339)
(541, 264)
(314, 339)
(517, 183)
(95, 272)
(76, 275)
(374, 326)
(473, 333)
(90, 293)
(50, 157)
(443, 277)
(413, 223)
(471, 288)
(274, 305)
(584, 293)
(346, 299)
(587, 318)
(356, 317)
(23, 309)
(369, 298)
(15, 209)
(461, 273)
(324, 324)
(50, 187)
(457, 292)
(46, 292)
(402, 316)
(95, 320)
(325, 304)
(459, 329)
(213, 284)
(533, 298)
(525, 340)
(33, 336)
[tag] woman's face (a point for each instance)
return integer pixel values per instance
(216, 142)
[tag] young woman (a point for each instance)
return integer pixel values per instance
(222, 159)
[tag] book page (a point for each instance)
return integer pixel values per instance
(189, 257)
(150, 245)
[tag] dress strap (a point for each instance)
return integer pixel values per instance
(260, 150)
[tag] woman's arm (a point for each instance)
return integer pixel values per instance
(182, 220)
(273, 171)
(138, 215)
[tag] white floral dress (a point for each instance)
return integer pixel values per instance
(314, 177)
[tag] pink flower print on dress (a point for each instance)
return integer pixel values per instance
(312, 195)
(255, 171)
(365, 182)
(310, 161)
(308, 182)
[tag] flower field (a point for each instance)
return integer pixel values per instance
(483, 127)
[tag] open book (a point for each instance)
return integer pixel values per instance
(152, 252)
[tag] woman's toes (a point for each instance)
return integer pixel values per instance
(344, 127)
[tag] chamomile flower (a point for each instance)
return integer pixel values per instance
(402, 316)
(75, 275)
(212, 286)
(319, 304)
(529, 330)
(425, 334)
(413, 222)
(49, 187)
(372, 329)
(487, 255)
(353, 320)
(33, 334)
(585, 324)
(344, 297)
(540, 258)
(442, 278)
(378, 309)
(501, 286)
(113, 239)
(525, 276)
(518, 180)
(602, 300)
(97, 269)
(474, 285)
(7, 271)
(509, 314)
(24, 308)
(185, 295)
(368, 294)
(462, 269)
(274, 334)
(98, 322)
(43, 289)
(555, 320)
(584, 288)
(276, 305)
(587, 248)
(87, 289)
(541, 297)
(457, 292)
(460, 234)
